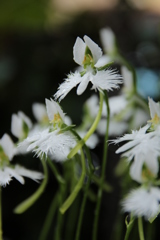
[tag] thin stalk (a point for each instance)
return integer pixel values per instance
(55, 171)
(140, 229)
(90, 131)
(1, 214)
(49, 218)
(77, 188)
(104, 162)
(129, 227)
(86, 150)
(22, 207)
(82, 208)
(59, 224)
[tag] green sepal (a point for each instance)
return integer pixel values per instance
(151, 220)
(105, 66)
(65, 127)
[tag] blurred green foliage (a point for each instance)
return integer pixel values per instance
(20, 14)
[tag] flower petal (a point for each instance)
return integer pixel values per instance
(69, 83)
(39, 111)
(153, 107)
(8, 146)
(79, 51)
(53, 108)
(108, 39)
(95, 49)
(106, 80)
(83, 84)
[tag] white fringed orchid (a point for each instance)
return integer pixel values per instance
(9, 171)
(143, 149)
(88, 54)
(51, 141)
(143, 202)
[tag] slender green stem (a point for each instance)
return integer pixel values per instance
(140, 229)
(77, 188)
(104, 162)
(82, 208)
(129, 227)
(86, 150)
(59, 224)
(48, 220)
(55, 171)
(1, 213)
(90, 131)
(22, 207)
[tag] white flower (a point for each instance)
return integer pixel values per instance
(54, 144)
(128, 78)
(54, 111)
(143, 202)
(39, 112)
(154, 108)
(155, 115)
(8, 171)
(143, 148)
(108, 40)
(79, 50)
(8, 146)
(17, 125)
(87, 55)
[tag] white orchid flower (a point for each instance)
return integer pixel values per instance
(87, 54)
(143, 202)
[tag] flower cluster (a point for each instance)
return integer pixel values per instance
(142, 152)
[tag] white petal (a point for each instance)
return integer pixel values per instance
(8, 146)
(25, 118)
(34, 175)
(17, 126)
(83, 84)
(128, 78)
(67, 85)
(153, 107)
(136, 170)
(39, 111)
(95, 49)
(108, 39)
(143, 202)
(104, 60)
(79, 51)
(106, 80)
(12, 172)
(53, 108)
(5, 178)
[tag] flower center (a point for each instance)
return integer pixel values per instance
(3, 157)
(155, 121)
(88, 58)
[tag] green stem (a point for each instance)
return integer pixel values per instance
(48, 220)
(22, 207)
(90, 131)
(129, 227)
(1, 213)
(82, 208)
(59, 224)
(77, 188)
(86, 150)
(140, 229)
(55, 171)
(104, 162)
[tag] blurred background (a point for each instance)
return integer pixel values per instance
(36, 53)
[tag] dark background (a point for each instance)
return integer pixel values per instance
(35, 56)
